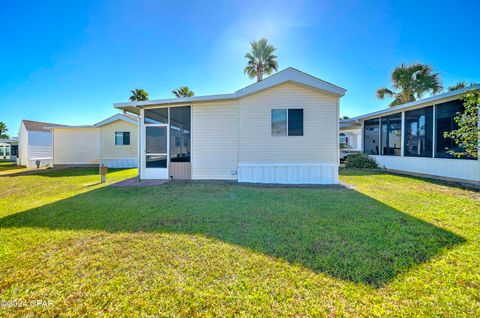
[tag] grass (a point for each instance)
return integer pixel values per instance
(392, 246)
(8, 167)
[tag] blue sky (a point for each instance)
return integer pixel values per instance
(69, 61)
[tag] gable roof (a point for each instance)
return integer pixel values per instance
(31, 125)
(285, 76)
(125, 117)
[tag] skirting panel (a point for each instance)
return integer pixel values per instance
(288, 173)
(120, 163)
(450, 168)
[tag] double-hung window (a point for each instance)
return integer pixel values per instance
(287, 122)
(122, 138)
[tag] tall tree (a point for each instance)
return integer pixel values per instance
(411, 82)
(466, 136)
(138, 94)
(183, 91)
(261, 60)
(459, 85)
(3, 130)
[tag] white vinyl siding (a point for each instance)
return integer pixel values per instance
(214, 140)
(228, 134)
(33, 146)
(76, 146)
(39, 145)
(95, 145)
(319, 143)
(107, 141)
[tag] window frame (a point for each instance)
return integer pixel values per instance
(287, 132)
(123, 133)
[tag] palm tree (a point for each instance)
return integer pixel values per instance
(183, 91)
(459, 85)
(3, 130)
(138, 94)
(411, 82)
(260, 60)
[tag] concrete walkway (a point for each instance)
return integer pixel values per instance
(133, 182)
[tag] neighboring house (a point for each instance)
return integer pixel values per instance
(112, 142)
(283, 129)
(350, 138)
(9, 149)
(410, 137)
(35, 143)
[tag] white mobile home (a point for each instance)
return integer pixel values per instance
(35, 143)
(410, 137)
(9, 149)
(112, 142)
(350, 138)
(283, 129)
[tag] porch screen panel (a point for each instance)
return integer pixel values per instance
(156, 116)
(371, 132)
(180, 134)
(156, 140)
(391, 127)
(445, 122)
(419, 132)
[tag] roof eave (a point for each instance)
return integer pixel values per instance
(419, 103)
(286, 76)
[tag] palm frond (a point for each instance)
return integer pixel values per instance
(183, 91)
(138, 94)
(384, 92)
(260, 60)
(459, 85)
(412, 81)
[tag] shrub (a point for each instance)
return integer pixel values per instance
(360, 160)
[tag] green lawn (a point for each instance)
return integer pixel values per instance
(392, 246)
(8, 167)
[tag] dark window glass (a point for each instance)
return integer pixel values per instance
(391, 135)
(14, 150)
(156, 116)
(295, 122)
(279, 122)
(419, 132)
(156, 140)
(126, 138)
(445, 122)
(156, 161)
(180, 118)
(371, 135)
